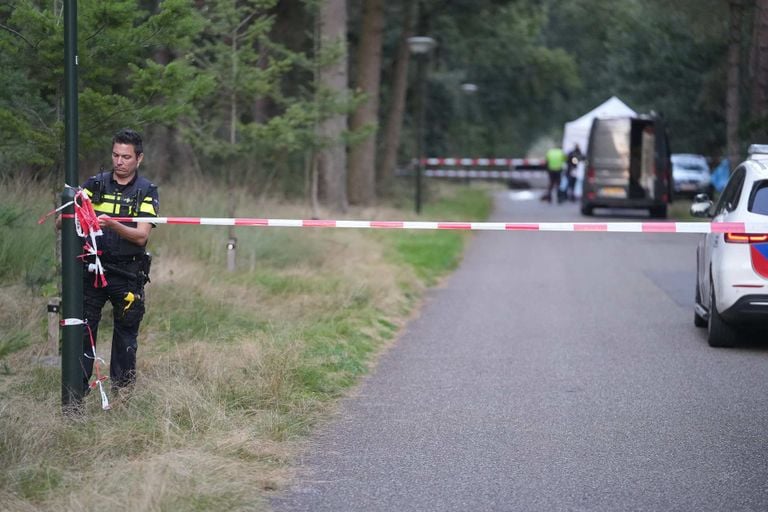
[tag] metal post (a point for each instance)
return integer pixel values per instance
(54, 305)
(71, 268)
(420, 47)
(231, 254)
(468, 90)
(420, 121)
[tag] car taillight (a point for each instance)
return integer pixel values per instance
(745, 238)
(590, 173)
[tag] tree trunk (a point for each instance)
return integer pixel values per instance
(759, 72)
(330, 167)
(732, 117)
(362, 157)
(397, 107)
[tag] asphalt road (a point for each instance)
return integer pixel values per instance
(552, 371)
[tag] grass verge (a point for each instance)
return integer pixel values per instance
(234, 368)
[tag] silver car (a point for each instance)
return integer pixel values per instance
(690, 174)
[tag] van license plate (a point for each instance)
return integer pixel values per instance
(613, 192)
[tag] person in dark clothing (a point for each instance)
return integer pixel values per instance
(574, 157)
(120, 192)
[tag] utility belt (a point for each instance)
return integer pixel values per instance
(120, 260)
(136, 267)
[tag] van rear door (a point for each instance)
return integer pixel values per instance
(642, 165)
(610, 151)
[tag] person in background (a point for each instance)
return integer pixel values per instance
(720, 175)
(555, 162)
(574, 157)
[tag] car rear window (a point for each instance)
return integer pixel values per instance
(758, 203)
(690, 166)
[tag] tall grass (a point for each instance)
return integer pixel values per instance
(234, 368)
(27, 266)
(26, 251)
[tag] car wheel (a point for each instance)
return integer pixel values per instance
(698, 320)
(587, 209)
(720, 334)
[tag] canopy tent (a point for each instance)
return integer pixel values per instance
(577, 131)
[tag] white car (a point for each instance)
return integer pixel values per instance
(732, 268)
(690, 174)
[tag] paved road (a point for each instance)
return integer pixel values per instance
(552, 371)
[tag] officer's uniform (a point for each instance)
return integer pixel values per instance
(555, 158)
(126, 268)
(574, 157)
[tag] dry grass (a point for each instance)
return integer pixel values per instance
(234, 369)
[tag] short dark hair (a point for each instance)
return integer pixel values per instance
(128, 136)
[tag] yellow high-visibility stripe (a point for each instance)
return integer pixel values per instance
(114, 208)
(109, 208)
(148, 207)
(111, 204)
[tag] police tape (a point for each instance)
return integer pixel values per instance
(99, 379)
(486, 162)
(488, 175)
(610, 227)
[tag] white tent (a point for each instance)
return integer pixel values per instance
(577, 131)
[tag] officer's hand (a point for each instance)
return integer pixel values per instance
(105, 221)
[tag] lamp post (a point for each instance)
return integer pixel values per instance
(469, 89)
(420, 47)
(71, 267)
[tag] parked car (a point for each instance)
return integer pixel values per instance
(690, 174)
(628, 165)
(732, 268)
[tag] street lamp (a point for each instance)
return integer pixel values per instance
(71, 268)
(420, 47)
(469, 89)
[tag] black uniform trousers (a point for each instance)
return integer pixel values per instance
(126, 315)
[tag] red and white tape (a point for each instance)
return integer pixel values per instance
(486, 162)
(613, 227)
(99, 378)
(461, 173)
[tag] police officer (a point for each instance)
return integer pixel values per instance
(120, 192)
(555, 158)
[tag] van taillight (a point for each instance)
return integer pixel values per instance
(590, 173)
(745, 238)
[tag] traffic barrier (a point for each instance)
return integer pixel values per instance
(528, 163)
(487, 175)
(610, 227)
(478, 168)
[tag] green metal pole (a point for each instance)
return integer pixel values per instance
(71, 268)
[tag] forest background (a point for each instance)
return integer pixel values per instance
(315, 99)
